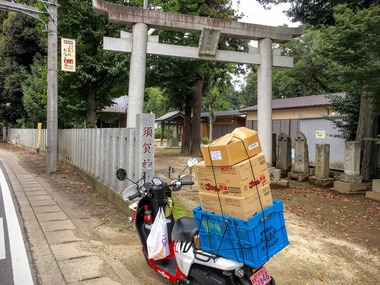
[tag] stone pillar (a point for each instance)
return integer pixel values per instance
(137, 73)
(352, 163)
(144, 147)
(322, 169)
(264, 98)
(284, 160)
(300, 168)
(322, 161)
(351, 180)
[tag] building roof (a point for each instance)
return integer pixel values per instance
(120, 105)
(218, 114)
(171, 116)
(298, 102)
(177, 115)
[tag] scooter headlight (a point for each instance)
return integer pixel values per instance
(239, 272)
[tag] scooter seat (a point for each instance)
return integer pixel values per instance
(184, 229)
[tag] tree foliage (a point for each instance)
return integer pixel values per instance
(353, 44)
(100, 75)
(319, 12)
(34, 88)
(18, 44)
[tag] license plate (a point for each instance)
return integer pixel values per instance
(260, 277)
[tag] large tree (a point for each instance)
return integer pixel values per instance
(353, 44)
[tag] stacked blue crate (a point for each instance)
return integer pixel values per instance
(252, 241)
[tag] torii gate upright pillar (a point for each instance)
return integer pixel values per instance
(137, 72)
(264, 97)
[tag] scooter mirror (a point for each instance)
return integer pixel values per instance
(192, 161)
(121, 174)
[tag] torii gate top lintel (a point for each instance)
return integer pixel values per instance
(188, 23)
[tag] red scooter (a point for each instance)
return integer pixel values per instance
(186, 262)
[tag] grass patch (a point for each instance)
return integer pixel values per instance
(179, 211)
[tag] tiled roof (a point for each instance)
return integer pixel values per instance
(298, 102)
(219, 114)
(120, 105)
(170, 116)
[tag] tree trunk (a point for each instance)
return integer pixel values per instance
(91, 108)
(196, 132)
(366, 133)
(185, 147)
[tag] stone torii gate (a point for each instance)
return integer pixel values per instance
(139, 44)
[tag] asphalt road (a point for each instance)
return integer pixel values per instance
(14, 264)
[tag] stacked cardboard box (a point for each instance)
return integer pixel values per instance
(234, 178)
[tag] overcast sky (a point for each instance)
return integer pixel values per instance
(255, 13)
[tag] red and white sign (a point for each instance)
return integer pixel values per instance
(68, 55)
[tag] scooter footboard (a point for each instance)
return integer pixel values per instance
(186, 256)
(215, 261)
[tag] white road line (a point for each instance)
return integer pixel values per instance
(2, 240)
(20, 264)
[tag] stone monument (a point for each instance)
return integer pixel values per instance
(300, 168)
(284, 159)
(322, 169)
(351, 180)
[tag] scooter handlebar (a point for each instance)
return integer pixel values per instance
(137, 194)
(188, 182)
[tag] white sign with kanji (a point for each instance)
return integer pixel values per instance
(320, 134)
(68, 55)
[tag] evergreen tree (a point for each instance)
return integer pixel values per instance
(18, 45)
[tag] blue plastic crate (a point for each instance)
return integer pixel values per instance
(252, 241)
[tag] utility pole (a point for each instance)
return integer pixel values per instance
(52, 98)
(52, 93)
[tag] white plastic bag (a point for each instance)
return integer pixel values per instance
(157, 241)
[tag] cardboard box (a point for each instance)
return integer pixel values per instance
(197, 242)
(240, 179)
(232, 148)
(237, 207)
